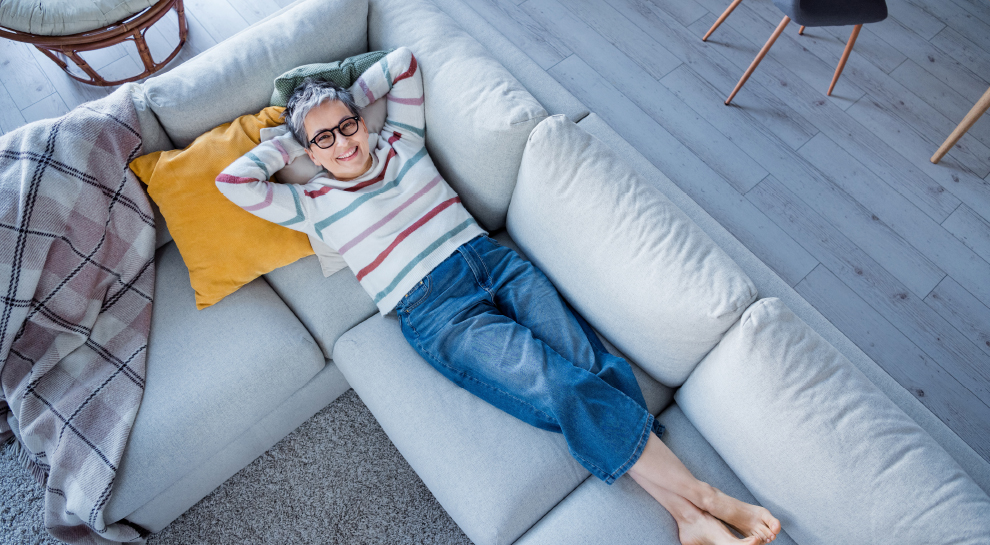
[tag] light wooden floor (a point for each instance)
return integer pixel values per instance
(836, 193)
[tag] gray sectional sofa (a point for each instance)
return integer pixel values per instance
(761, 396)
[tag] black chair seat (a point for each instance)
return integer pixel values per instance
(814, 13)
(833, 12)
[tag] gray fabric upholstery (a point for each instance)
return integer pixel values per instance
(161, 510)
(820, 446)
(770, 285)
(495, 475)
(477, 114)
(153, 137)
(211, 375)
(327, 306)
(629, 261)
(162, 236)
(197, 96)
(833, 12)
(624, 514)
(547, 90)
(657, 396)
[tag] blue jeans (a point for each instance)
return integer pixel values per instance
(494, 324)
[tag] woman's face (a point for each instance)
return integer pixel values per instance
(349, 156)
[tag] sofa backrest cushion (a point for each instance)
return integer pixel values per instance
(640, 271)
(477, 114)
(822, 447)
(153, 138)
(236, 76)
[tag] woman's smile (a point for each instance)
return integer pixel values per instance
(350, 154)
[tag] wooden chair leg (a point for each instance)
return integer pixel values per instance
(845, 57)
(721, 18)
(978, 109)
(143, 51)
(95, 78)
(759, 57)
(801, 31)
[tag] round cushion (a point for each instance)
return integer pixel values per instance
(65, 17)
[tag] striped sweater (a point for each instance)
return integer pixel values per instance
(393, 224)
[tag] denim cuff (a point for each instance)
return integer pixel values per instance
(658, 428)
(650, 425)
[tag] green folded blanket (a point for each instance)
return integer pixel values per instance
(343, 73)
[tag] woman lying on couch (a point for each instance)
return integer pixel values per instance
(478, 313)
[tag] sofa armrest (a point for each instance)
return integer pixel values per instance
(770, 285)
(783, 406)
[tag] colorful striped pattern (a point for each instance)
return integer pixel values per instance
(388, 77)
(409, 101)
(391, 226)
(281, 149)
(268, 200)
(367, 91)
(405, 233)
(343, 249)
(365, 197)
(230, 179)
(299, 212)
(423, 255)
(417, 131)
(376, 179)
(408, 73)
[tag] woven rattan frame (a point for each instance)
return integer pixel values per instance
(131, 28)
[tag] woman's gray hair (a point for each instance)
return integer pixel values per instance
(309, 94)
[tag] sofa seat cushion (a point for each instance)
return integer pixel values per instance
(236, 77)
(477, 114)
(822, 447)
(627, 258)
(168, 505)
(495, 475)
(211, 374)
(327, 306)
(623, 513)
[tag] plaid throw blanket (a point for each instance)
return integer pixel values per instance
(77, 244)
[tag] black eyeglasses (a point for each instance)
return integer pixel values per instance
(326, 138)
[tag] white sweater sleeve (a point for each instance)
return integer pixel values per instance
(245, 183)
(398, 77)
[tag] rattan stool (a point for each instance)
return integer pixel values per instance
(131, 27)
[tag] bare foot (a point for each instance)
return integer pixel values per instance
(704, 529)
(748, 520)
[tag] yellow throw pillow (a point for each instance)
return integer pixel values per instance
(223, 246)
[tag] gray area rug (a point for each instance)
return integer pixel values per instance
(335, 479)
